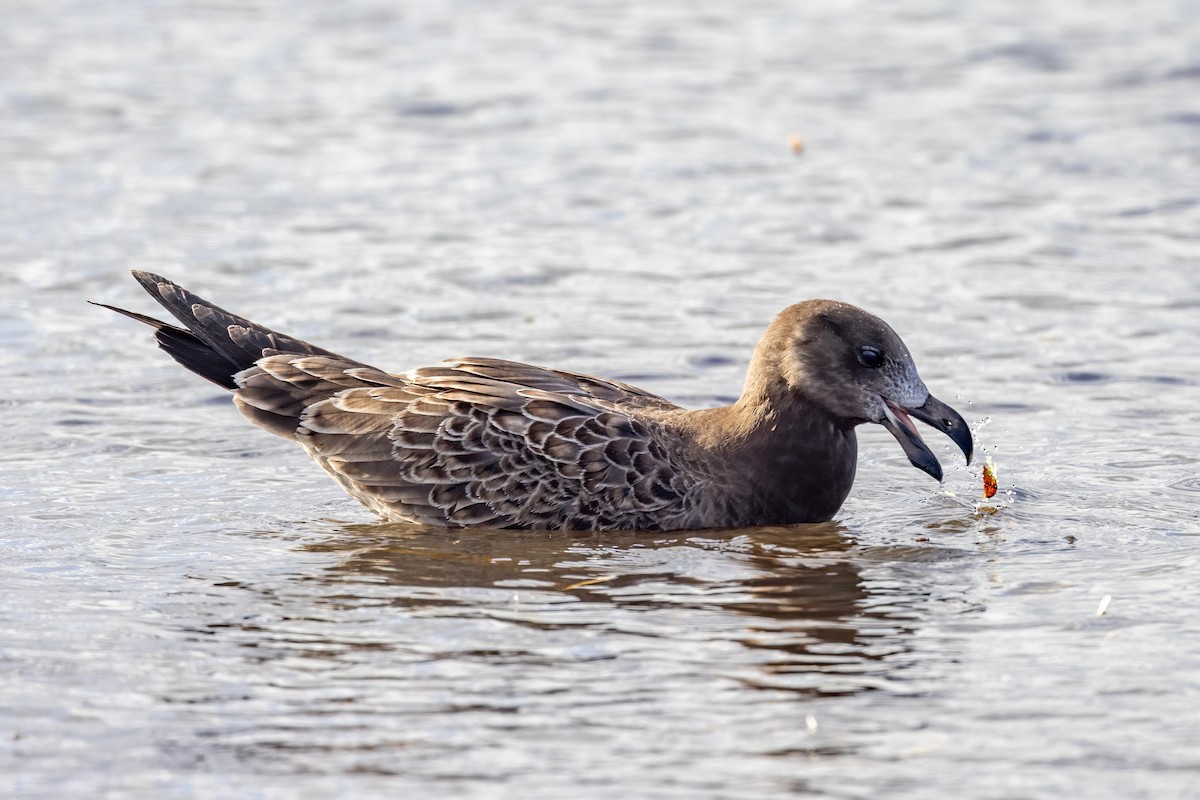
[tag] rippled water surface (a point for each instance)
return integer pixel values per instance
(191, 609)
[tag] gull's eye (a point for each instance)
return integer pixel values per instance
(869, 357)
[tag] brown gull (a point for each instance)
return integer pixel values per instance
(482, 442)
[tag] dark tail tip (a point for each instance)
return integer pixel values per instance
(186, 348)
(213, 343)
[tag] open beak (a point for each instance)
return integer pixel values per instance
(934, 412)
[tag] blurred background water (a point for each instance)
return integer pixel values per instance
(191, 609)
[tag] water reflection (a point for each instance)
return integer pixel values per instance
(811, 610)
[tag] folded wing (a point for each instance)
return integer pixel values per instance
(474, 442)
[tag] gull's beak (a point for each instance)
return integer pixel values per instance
(934, 412)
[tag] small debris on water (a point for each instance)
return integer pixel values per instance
(1104, 601)
(796, 144)
(591, 582)
(810, 723)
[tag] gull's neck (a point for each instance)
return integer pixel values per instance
(780, 457)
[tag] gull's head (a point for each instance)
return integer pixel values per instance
(852, 365)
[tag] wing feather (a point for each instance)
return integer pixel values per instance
(475, 441)
(563, 382)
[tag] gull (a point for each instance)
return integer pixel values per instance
(489, 443)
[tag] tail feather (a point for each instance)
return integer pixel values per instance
(216, 345)
(186, 348)
(237, 338)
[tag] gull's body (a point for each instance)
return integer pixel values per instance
(477, 442)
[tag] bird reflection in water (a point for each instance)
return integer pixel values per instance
(807, 604)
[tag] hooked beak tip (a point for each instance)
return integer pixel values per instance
(936, 414)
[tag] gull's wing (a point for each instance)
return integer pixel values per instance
(574, 384)
(476, 442)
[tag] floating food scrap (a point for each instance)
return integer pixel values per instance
(796, 143)
(989, 478)
(591, 582)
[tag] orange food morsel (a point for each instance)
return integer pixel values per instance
(989, 479)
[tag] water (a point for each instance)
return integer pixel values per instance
(190, 609)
